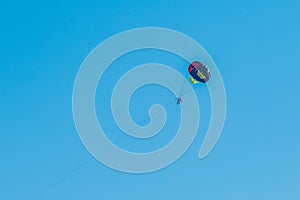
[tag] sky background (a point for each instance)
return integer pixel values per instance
(256, 47)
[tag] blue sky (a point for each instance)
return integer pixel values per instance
(255, 45)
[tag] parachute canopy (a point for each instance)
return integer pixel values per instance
(199, 72)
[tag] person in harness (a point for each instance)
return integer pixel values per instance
(179, 100)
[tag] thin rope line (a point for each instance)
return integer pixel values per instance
(193, 89)
(183, 84)
(60, 180)
(75, 169)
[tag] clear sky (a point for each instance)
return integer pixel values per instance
(256, 47)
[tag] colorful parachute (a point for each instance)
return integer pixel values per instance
(199, 72)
